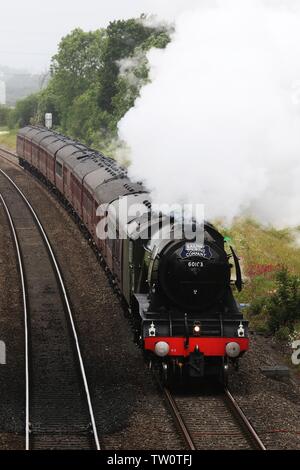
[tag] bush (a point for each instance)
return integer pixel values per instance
(5, 113)
(284, 305)
(258, 307)
(283, 333)
(278, 313)
(24, 112)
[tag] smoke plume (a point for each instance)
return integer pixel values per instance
(219, 124)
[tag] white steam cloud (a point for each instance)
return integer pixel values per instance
(220, 122)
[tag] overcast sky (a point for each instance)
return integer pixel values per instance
(30, 30)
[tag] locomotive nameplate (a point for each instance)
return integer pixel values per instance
(194, 249)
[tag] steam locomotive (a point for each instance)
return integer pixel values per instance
(179, 292)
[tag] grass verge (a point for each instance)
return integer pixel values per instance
(8, 137)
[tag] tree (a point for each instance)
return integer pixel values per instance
(123, 38)
(24, 112)
(4, 115)
(48, 102)
(89, 91)
(75, 67)
(284, 305)
(84, 116)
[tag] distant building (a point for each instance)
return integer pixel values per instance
(2, 91)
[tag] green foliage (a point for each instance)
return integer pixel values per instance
(280, 311)
(24, 112)
(122, 41)
(8, 138)
(75, 70)
(84, 116)
(48, 102)
(283, 333)
(284, 304)
(283, 234)
(5, 113)
(95, 78)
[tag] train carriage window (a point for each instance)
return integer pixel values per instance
(58, 169)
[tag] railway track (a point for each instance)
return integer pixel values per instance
(9, 156)
(58, 406)
(212, 419)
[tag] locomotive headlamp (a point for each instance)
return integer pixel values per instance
(241, 330)
(197, 329)
(152, 330)
(162, 348)
(233, 349)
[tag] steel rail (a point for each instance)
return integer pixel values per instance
(25, 309)
(67, 304)
(4, 153)
(235, 408)
(179, 420)
(9, 152)
(244, 420)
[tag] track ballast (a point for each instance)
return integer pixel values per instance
(59, 412)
